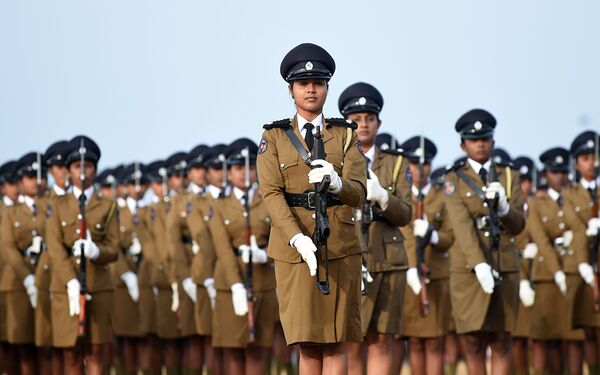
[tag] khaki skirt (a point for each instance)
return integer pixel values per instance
(523, 324)
(167, 323)
(381, 308)
(549, 318)
(98, 327)
(43, 319)
(231, 331)
(185, 314)
(437, 321)
(3, 309)
(147, 311)
(308, 316)
(203, 313)
(20, 320)
(582, 308)
(126, 317)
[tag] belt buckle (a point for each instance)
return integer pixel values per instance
(483, 222)
(310, 200)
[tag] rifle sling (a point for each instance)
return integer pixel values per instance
(298, 145)
(472, 185)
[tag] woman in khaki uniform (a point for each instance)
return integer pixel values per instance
(243, 351)
(319, 323)
(547, 225)
(22, 246)
(426, 331)
(483, 282)
(65, 247)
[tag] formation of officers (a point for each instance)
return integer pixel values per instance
(328, 240)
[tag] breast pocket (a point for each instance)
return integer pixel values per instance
(287, 166)
(395, 253)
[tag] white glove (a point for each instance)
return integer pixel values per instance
(90, 250)
(365, 275)
(211, 291)
(375, 192)
(593, 227)
(29, 284)
(496, 188)
(561, 281)
(412, 279)
(174, 297)
(131, 281)
(483, 271)
(73, 291)
(316, 175)
(567, 238)
(259, 256)
(530, 251)
(587, 273)
(239, 297)
(190, 288)
(305, 246)
(135, 248)
(420, 227)
(195, 247)
(526, 293)
(36, 246)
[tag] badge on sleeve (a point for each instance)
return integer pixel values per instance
(409, 176)
(262, 146)
(449, 188)
(48, 211)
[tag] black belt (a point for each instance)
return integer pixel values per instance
(378, 217)
(307, 200)
(187, 240)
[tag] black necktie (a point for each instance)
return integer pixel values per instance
(309, 139)
(592, 193)
(559, 201)
(483, 174)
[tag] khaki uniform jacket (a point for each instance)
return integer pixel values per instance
(163, 274)
(546, 222)
(280, 170)
(179, 237)
(62, 230)
(436, 256)
(386, 243)
(578, 209)
(229, 226)
(522, 239)
(204, 260)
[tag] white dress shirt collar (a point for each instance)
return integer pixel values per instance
(28, 201)
(195, 188)
(214, 191)
(58, 190)
(88, 193)
(587, 184)
(240, 194)
(477, 166)
(425, 190)
(370, 155)
(318, 121)
(553, 194)
(7, 201)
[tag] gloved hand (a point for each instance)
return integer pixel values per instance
(593, 227)
(90, 250)
(567, 237)
(376, 192)
(189, 286)
(496, 188)
(131, 281)
(316, 175)
(587, 273)
(365, 275)
(135, 248)
(174, 297)
(259, 256)
(195, 247)
(561, 281)
(211, 291)
(483, 271)
(36, 246)
(420, 227)
(73, 291)
(530, 251)
(239, 297)
(412, 279)
(305, 246)
(526, 293)
(29, 284)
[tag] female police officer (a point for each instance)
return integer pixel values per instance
(319, 323)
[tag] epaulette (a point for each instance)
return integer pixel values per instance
(456, 166)
(341, 122)
(281, 124)
(396, 152)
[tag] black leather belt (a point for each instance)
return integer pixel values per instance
(378, 217)
(307, 200)
(187, 240)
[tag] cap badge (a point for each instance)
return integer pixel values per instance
(589, 144)
(362, 101)
(309, 66)
(524, 170)
(559, 159)
(478, 125)
(384, 146)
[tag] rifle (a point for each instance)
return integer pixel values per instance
(494, 225)
(38, 174)
(595, 241)
(366, 218)
(422, 242)
(34, 254)
(247, 237)
(322, 229)
(83, 236)
(137, 175)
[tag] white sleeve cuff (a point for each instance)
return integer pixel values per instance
(504, 212)
(435, 237)
(338, 188)
(296, 236)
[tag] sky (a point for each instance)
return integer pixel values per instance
(148, 78)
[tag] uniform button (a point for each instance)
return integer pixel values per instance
(17, 224)
(77, 230)
(390, 188)
(485, 204)
(206, 218)
(577, 209)
(314, 216)
(570, 252)
(161, 267)
(122, 228)
(486, 234)
(63, 223)
(245, 214)
(561, 214)
(512, 239)
(484, 188)
(342, 164)
(468, 194)
(46, 267)
(282, 165)
(226, 222)
(544, 219)
(352, 219)
(540, 259)
(561, 225)
(183, 214)
(394, 238)
(79, 217)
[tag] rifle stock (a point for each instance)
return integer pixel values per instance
(83, 236)
(322, 229)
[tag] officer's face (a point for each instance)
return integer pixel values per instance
(237, 175)
(134, 194)
(585, 166)
(11, 190)
(215, 177)
(368, 124)
(309, 95)
(197, 176)
(28, 186)
(479, 150)
(107, 192)
(157, 188)
(526, 186)
(75, 172)
(556, 180)
(416, 174)
(175, 182)
(60, 174)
